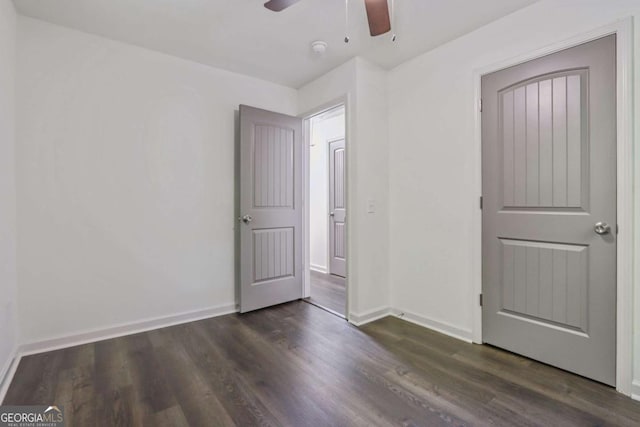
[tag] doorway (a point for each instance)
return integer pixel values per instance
(327, 210)
(293, 202)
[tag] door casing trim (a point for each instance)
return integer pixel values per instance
(623, 29)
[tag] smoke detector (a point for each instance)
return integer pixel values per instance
(319, 47)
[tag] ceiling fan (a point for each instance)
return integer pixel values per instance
(377, 13)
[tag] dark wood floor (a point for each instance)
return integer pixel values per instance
(297, 365)
(329, 291)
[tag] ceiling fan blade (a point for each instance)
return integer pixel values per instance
(279, 5)
(378, 15)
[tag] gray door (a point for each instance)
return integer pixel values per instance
(270, 207)
(337, 209)
(549, 176)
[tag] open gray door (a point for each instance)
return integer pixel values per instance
(549, 215)
(270, 208)
(337, 209)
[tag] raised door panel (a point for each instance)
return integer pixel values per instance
(273, 254)
(545, 153)
(273, 167)
(546, 282)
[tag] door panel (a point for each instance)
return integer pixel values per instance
(273, 177)
(270, 202)
(545, 281)
(273, 253)
(544, 152)
(549, 175)
(337, 207)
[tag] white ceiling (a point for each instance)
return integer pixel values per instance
(245, 37)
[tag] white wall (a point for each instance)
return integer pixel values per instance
(432, 164)
(323, 130)
(365, 87)
(8, 320)
(125, 180)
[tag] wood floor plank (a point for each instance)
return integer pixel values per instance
(223, 377)
(486, 383)
(115, 407)
(297, 365)
(38, 379)
(151, 389)
(170, 417)
(197, 399)
(329, 291)
(112, 366)
(83, 397)
(554, 384)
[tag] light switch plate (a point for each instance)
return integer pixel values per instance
(371, 206)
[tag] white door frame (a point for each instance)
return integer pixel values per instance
(624, 102)
(306, 277)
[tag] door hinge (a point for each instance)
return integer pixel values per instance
(480, 300)
(480, 202)
(481, 105)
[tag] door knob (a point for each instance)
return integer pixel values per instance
(246, 219)
(602, 228)
(332, 214)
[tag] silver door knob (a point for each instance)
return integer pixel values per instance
(246, 219)
(332, 214)
(602, 228)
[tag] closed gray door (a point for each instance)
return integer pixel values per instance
(270, 208)
(549, 176)
(337, 209)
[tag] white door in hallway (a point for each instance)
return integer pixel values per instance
(337, 209)
(271, 208)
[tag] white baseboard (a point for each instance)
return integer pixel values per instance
(94, 335)
(635, 390)
(7, 364)
(360, 319)
(438, 326)
(8, 370)
(319, 268)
